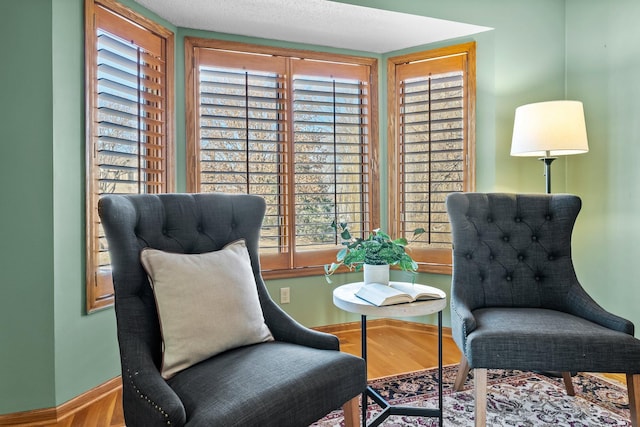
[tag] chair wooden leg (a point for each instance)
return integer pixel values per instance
(480, 388)
(351, 412)
(568, 384)
(461, 376)
(633, 390)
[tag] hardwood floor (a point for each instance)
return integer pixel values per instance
(396, 346)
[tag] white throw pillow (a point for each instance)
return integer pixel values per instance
(207, 303)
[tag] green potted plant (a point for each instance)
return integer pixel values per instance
(378, 249)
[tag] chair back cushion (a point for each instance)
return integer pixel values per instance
(512, 250)
(176, 223)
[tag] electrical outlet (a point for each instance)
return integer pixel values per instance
(285, 295)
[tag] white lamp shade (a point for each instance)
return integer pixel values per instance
(546, 129)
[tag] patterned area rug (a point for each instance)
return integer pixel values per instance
(515, 399)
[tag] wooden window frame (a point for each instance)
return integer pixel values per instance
(99, 284)
(319, 257)
(432, 260)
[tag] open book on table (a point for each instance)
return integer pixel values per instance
(397, 293)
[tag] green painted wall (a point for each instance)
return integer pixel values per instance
(80, 342)
(27, 375)
(52, 351)
(603, 65)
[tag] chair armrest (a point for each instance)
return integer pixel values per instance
(149, 399)
(463, 322)
(285, 328)
(581, 304)
(163, 407)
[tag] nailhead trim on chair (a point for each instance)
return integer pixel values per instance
(145, 397)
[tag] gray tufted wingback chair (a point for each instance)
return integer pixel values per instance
(292, 381)
(516, 302)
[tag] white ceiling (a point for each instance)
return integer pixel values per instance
(319, 22)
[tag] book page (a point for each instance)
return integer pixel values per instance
(379, 294)
(417, 291)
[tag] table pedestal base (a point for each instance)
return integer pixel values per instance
(388, 409)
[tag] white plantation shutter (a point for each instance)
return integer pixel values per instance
(431, 154)
(242, 141)
(331, 117)
(433, 113)
(294, 131)
(130, 123)
(241, 138)
(127, 127)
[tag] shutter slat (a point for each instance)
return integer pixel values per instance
(112, 61)
(108, 86)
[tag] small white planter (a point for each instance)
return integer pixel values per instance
(376, 274)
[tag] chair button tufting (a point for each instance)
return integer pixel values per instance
(551, 258)
(537, 278)
(547, 217)
(534, 238)
(508, 278)
(468, 256)
(491, 257)
(520, 257)
(489, 219)
(518, 219)
(505, 238)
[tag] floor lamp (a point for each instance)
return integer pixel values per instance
(547, 130)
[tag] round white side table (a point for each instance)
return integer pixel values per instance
(344, 298)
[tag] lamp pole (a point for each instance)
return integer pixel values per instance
(547, 171)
